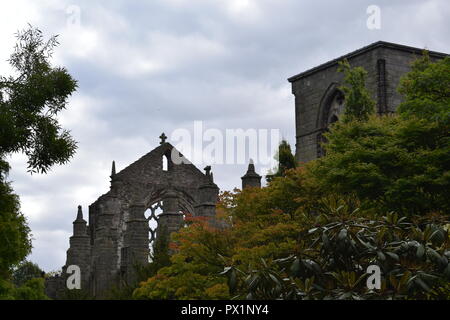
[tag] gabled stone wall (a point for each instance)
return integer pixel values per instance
(116, 240)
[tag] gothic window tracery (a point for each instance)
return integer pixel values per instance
(152, 217)
(332, 112)
(336, 108)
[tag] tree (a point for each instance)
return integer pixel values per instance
(358, 103)
(426, 90)
(27, 270)
(33, 289)
(263, 225)
(399, 162)
(279, 250)
(195, 266)
(286, 160)
(14, 231)
(333, 256)
(28, 284)
(379, 197)
(30, 101)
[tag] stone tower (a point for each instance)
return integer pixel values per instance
(251, 178)
(79, 252)
(208, 192)
(319, 101)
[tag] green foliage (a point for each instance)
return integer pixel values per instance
(426, 90)
(194, 270)
(6, 290)
(31, 101)
(268, 253)
(14, 232)
(379, 197)
(399, 164)
(33, 289)
(265, 282)
(27, 270)
(358, 103)
(286, 160)
(160, 256)
(75, 294)
(333, 256)
(201, 251)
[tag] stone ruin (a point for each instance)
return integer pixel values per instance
(319, 100)
(119, 234)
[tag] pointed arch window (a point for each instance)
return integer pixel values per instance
(332, 110)
(165, 163)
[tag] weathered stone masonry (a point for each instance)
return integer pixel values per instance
(318, 100)
(117, 237)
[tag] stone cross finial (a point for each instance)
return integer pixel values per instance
(163, 138)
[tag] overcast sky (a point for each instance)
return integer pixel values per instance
(145, 67)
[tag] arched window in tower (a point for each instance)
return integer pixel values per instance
(332, 111)
(336, 108)
(165, 163)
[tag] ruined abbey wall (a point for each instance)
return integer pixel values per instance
(314, 89)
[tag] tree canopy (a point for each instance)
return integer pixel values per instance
(358, 103)
(378, 197)
(426, 90)
(400, 162)
(30, 102)
(286, 160)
